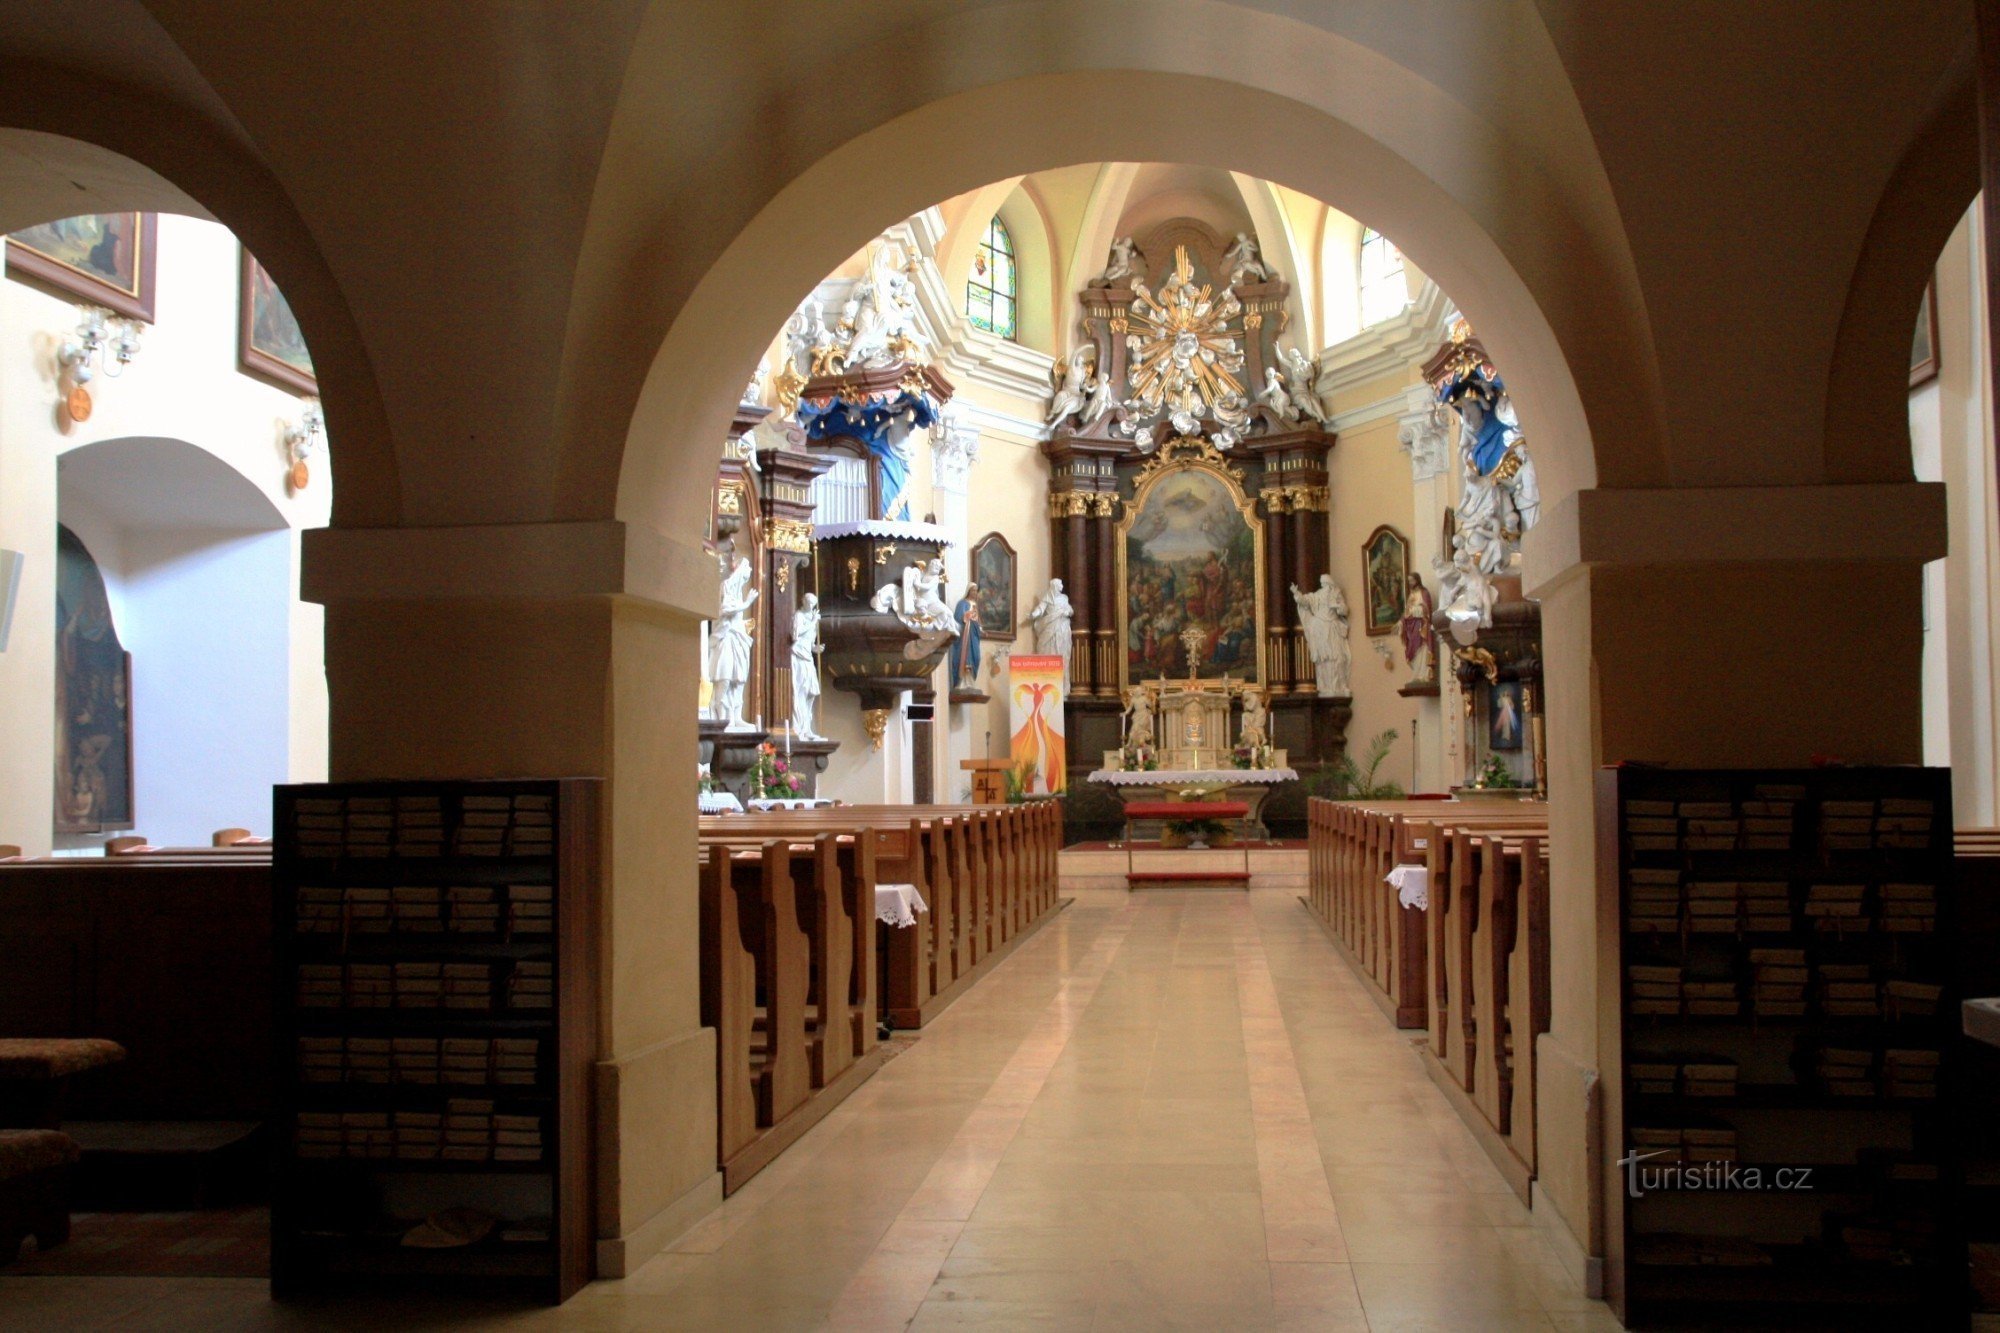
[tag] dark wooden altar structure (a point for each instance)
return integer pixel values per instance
(1188, 305)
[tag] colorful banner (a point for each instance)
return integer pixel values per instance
(1041, 759)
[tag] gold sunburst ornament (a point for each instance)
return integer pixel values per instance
(1184, 359)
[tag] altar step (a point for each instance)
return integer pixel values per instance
(1188, 879)
(1098, 865)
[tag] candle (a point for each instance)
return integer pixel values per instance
(788, 741)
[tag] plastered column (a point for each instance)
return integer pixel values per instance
(436, 670)
(1689, 635)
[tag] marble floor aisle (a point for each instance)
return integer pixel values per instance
(1169, 1110)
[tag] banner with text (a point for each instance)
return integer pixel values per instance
(1035, 689)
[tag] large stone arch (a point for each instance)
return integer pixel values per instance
(99, 147)
(782, 253)
(1493, 190)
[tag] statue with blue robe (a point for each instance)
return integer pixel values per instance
(965, 652)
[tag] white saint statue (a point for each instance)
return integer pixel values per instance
(1276, 396)
(1301, 377)
(1122, 266)
(1323, 616)
(1051, 620)
(805, 669)
(729, 648)
(1244, 262)
(1139, 713)
(1073, 392)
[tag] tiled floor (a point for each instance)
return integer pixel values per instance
(1171, 1110)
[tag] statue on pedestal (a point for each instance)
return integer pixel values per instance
(805, 668)
(1419, 634)
(1256, 730)
(1301, 376)
(1323, 615)
(729, 652)
(1138, 718)
(1122, 266)
(965, 653)
(1051, 622)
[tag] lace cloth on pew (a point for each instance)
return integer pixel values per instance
(898, 904)
(1412, 885)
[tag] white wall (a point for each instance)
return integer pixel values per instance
(184, 386)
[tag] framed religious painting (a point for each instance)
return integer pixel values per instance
(1190, 550)
(1506, 719)
(93, 763)
(106, 259)
(1924, 351)
(996, 570)
(1385, 579)
(269, 343)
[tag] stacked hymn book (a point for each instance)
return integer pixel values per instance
(1787, 985)
(436, 1020)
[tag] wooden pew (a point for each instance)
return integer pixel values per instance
(787, 984)
(987, 873)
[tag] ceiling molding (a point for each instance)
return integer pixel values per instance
(1385, 348)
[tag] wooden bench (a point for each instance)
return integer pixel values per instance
(35, 1167)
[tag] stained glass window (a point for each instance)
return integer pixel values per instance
(1383, 290)
(989, 293)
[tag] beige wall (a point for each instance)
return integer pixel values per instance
(184, 385)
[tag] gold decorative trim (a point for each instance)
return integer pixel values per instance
(1308, 499)
(1104, 504)
(729, 500)
(1184, 450)
(875, 721)
(1253, 320)
(1275, 499)
(789, 534)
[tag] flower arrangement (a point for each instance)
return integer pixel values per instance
(1141, 757)
(704, 779)
(1251, 756)
(771, 776)
(1494, 776)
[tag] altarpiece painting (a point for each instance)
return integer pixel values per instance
(1189, 562)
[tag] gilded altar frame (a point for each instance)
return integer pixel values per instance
(1179, 454)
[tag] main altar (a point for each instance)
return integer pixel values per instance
(1188, 511)
(1180, 745)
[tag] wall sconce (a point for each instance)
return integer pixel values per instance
(302, 442)
(102, 340)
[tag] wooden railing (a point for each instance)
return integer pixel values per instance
(791, 979)
(1472, 969)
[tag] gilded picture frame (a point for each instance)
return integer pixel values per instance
(997, 570)
(1385, 580)
(1176, 460)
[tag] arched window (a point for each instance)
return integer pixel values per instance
(1383, 291)
(989, 293)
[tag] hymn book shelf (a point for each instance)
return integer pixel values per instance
(435, 1028)
(1786, 998)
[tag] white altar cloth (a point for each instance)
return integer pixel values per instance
(1412, 885)
(1192, 777)
(898, 904)
(763, 803)
(718, 803)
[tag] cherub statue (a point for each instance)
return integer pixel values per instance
(1101, 400)
(1243, 261)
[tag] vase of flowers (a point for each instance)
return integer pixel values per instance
(772, 778)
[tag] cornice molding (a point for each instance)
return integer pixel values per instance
(1398, 343)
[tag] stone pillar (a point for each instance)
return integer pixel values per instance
(548, 650)
(1422, 433)
(1281, 614)
(1107, 649)
(1745, 627)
